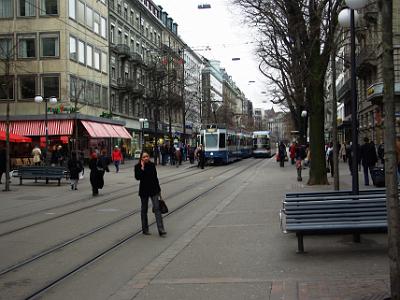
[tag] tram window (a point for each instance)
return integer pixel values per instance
(211, 140)
(222, 140)
(202, 140)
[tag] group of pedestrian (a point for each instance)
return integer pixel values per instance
(175, 154)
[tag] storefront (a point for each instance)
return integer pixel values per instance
(71, 132)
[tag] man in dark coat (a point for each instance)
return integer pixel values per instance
(75, 167)
(3, 163)
(201, 156)
(97, 169)
(368, 158)
(282, 154)
(149, 187)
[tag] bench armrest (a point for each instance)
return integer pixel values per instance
(282, 220)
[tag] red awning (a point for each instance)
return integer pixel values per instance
(102, 130)
(14, 138)
(38, 128)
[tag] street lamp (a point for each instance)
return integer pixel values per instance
(304, 115)
(347, 18)
(52, 100)
(142, 121)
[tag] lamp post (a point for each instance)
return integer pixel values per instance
(142, 121)
(347, 18)
(304, 114)
(52, 100)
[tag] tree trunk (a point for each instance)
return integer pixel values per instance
(317, 141)
(393, 214)
(334, 122)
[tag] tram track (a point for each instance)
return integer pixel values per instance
(82, 200)
(113, 198)
(81, 266)
(88, 233)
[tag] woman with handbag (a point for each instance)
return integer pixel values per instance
(149, 187)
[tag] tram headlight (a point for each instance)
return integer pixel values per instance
(211, 153)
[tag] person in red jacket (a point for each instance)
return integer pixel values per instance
(116, 157)
(292, 152)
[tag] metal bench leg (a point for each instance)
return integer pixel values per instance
(356, 238)
(20, 181)
(300, 244)
(59, 182)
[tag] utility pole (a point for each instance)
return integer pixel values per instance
(7, 87)
(183, 97)
(393, 210)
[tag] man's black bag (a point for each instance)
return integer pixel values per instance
(378, 176)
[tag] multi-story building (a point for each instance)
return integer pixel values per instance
(258, 117)
(57, 49)
(369, 76)
(193, 92)
(212, 83)
(135, 40)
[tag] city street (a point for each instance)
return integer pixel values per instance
(224, 240)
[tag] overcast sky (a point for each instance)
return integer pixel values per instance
(221, 29)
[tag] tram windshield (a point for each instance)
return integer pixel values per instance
(261, 143)
(211, 140)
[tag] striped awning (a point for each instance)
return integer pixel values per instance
(102, 130)
(38, 128)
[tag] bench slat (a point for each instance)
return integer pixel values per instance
(343, 192)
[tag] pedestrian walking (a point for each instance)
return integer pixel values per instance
(300, 155)
(201, 156)
(282, 154)
(368, 158)
(3, 163)
(381, 153)
(292, 152)
(342, 152)
(37, 155)
(329, 158)
(97, 168)
(149, 187)
(75, 167)
(116, 157)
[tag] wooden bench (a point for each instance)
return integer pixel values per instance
(348, 214)
(41, 172)
(335, 193)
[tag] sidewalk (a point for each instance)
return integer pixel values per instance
(238, 251)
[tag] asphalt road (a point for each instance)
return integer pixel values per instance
(223, 241)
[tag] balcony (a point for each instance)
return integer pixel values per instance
(366, 61)
(129, 86)
(122, 50)
(343, 91)
(136, 58)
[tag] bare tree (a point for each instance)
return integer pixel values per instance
(296, 40)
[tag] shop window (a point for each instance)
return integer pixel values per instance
(81, 90)
(81, 12)
(96, 22)
(103, 27)
(27, 46)
(27, 87)
(6, 87)
(49, 7)
(89, 17)
(104, 97)
(89, 92)
(104, 62)
(26, 8)
(81, 52)
(89, 55)
(73, 86)
(72, 9)
(96, 58)
(73, 53)
(51, 86)
(6, 9)
(97, 95)
(6, 48)
(49, 45)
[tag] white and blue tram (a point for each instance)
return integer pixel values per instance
(264, 144)
(223, 146)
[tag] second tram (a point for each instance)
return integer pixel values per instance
(264, 144)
